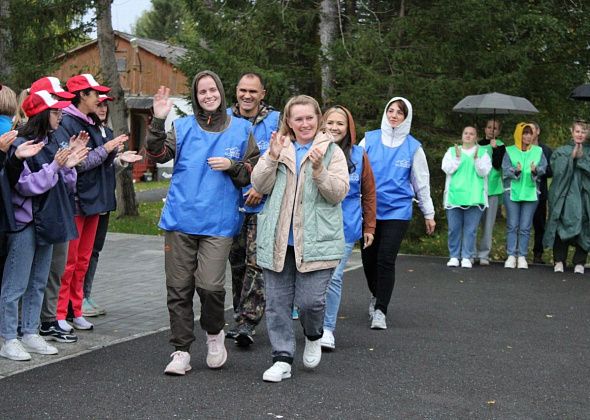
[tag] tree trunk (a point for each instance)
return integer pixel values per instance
(327, 31)
(126, 202)
(5, 69)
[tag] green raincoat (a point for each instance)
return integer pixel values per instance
(569, 198)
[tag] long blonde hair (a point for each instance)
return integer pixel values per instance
(285, 130)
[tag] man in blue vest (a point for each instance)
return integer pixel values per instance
(247, 282)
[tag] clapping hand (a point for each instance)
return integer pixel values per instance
(130, 156)
(7, 139)
(476, 152)
(518, 167)
(76, 157)
(28, 149)
(578, 151)
(80, 141)
(115, 143)
(316, 156)
(457, 151)
(533, 168)
(277, 144)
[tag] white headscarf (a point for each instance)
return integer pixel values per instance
(393, 137)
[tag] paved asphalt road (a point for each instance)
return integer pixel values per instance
(480, 343)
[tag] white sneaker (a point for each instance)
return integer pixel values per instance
(466, 263)
(63, 324)
(327, 341)
(312, 354)
(510, 262)
(372, 306)
(453, 262)
(216, 352)
(80, 323)
(180, 363)
(378, 321)
(34, 343)
(522, 263)
(484, 261)
(14, 350)
(579, 269)
(277, 372)
(558, 267)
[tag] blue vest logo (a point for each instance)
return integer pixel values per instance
(233, 153)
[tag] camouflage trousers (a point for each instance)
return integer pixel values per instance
(247, 282)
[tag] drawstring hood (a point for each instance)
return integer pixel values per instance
(393, 137)
(210, 121)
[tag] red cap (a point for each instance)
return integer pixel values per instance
(51, 85)
(38, 102)
(102, 98)
(85, 81)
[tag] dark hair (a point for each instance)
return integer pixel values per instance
(106, 118)
(346, 142)
(527, 128)
(36, 127)
(253, 74)
(495, 120)
(76, 102)
(402, 106)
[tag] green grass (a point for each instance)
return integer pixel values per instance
(149, 215)
(153, 185)
(144, 224)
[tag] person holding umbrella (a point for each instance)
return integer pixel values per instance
(523, 165)
(568, 222)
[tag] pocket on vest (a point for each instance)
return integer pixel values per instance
(328, 224)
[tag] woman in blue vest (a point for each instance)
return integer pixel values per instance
(95, 192)
(300, 233)
(401, 173)
(43, 216)
(466, 195)
(522, 166)
(358, 208)
(213, 156)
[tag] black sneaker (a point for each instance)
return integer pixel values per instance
(245, 335)
(232, 333)
(51, 331)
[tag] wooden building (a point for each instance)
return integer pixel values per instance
(144, 65)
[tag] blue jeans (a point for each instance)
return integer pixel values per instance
(519, 218)
(288, 287)
(25, 276)
(463, 230)
(335, 290)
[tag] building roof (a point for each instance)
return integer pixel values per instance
(169, 52)
(172, 53)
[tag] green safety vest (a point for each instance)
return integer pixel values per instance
(524, 188)
(495, 186)
(466, 187)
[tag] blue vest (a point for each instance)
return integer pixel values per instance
(262, 132)
(96, 187)
(351, 206)
(53, 211)
(392, 167)
(202, 201)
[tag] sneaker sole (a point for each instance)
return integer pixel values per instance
(16, 359)
(83, 328)
(172, 372)
(59, 339)
(327, 346)
(378, 327)
(46, 353)
(276, 379)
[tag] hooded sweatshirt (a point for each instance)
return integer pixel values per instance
(367, 190)
(161, 146)
(420, 175)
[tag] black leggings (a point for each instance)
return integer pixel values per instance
(379, 260)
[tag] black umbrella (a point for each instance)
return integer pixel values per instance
(581, 93)
(495, 103)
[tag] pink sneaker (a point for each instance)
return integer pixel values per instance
(216, 353)
(180, 363)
